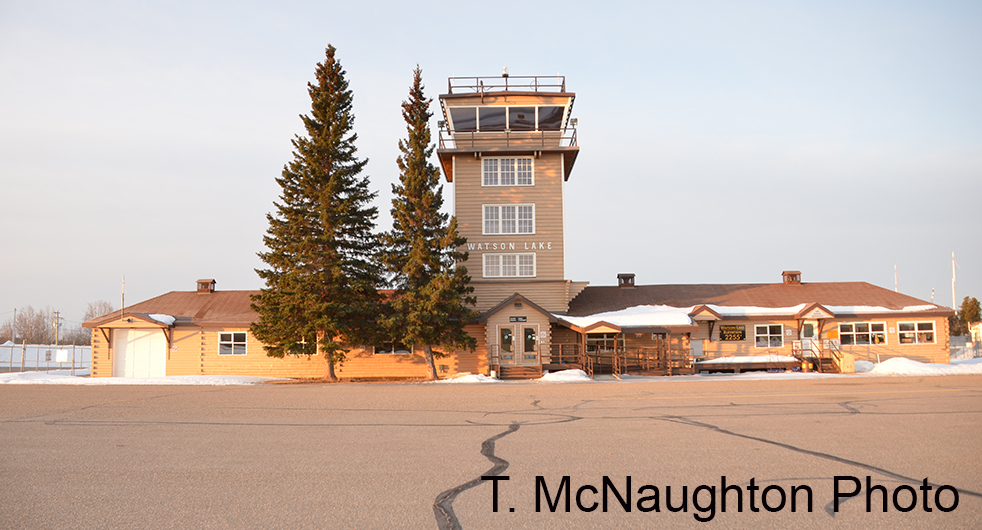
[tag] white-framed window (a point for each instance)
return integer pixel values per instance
(233, 343)
(507, 172)
(509, 219)
(769, 335)
(392, 347)
(509, 265)
(916, 332)
(861, 333)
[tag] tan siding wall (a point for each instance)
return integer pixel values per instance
(929, 353)
(101, 362)
(255, 362)
(938, 352)
(551, 296)
(184, 357)
(546, 194)
(362, 363)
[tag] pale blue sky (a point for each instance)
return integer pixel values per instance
(721, 142)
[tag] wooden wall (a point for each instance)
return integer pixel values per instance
(546, 194)
(938, 352)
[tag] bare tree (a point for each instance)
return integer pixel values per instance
(34, 326)
(97, 309)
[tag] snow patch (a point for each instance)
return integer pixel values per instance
(863, 366)
(641, 315)
(469, 378)
(904, 366)
(64, 377)
(750, 359)
(164, 319)
(566, 376)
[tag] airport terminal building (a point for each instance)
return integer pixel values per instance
(509, 146)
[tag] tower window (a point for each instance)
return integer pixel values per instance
(507, 172)
(509, 265)
(509, 219)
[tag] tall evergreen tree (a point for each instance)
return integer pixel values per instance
(430, 305)
(321, 279)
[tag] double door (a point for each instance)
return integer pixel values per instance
(518, 343)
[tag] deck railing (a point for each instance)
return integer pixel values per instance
(507, 139)
(517, 83)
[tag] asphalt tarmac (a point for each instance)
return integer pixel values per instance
(412, 455)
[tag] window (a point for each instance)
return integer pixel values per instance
(392, 347)
(507, 172)
(916, 332)
(501, 118)
(509, 265)
(509, 219)
(863, 333)
(232, 343)
(769, 336)
(603, 342)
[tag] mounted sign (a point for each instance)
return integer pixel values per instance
(518, 319)
(732, 332)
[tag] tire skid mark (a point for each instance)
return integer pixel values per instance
(826, 456)
(446, 519)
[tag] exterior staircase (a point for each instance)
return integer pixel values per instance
(529, 371)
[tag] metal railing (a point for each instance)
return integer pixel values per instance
(507, 139)
(517, 83)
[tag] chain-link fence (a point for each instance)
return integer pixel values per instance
(41, 357)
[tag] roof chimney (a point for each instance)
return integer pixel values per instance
(625, 280)
(206, 285)
(791, 277)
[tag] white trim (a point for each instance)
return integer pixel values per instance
(769, 335)
(501, 266)
(871, 333)
(233, 343)
(499, 162)
(917, 332)
(500, 220)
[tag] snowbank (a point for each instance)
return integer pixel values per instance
(64, 377)
(902, 366)
(863, 366)
(469, 378)
(566, 376)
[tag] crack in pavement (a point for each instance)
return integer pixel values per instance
(826, 456)
(446, 519)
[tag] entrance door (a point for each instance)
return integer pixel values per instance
(530, 343)
(139, 353)
(518, 344)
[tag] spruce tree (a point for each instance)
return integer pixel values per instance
(430, 303)
(320, 285)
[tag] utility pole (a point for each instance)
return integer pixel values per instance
(13, 329)
(895, 289)
(57, 325)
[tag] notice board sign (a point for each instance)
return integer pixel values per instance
(518, 319)
(732, 332)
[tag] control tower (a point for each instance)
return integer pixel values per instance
(508, 144)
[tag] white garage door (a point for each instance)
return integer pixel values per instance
(139, 353)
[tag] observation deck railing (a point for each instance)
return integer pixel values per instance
(516, 83)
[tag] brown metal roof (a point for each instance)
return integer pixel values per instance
(599, 299)
(190, 307)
